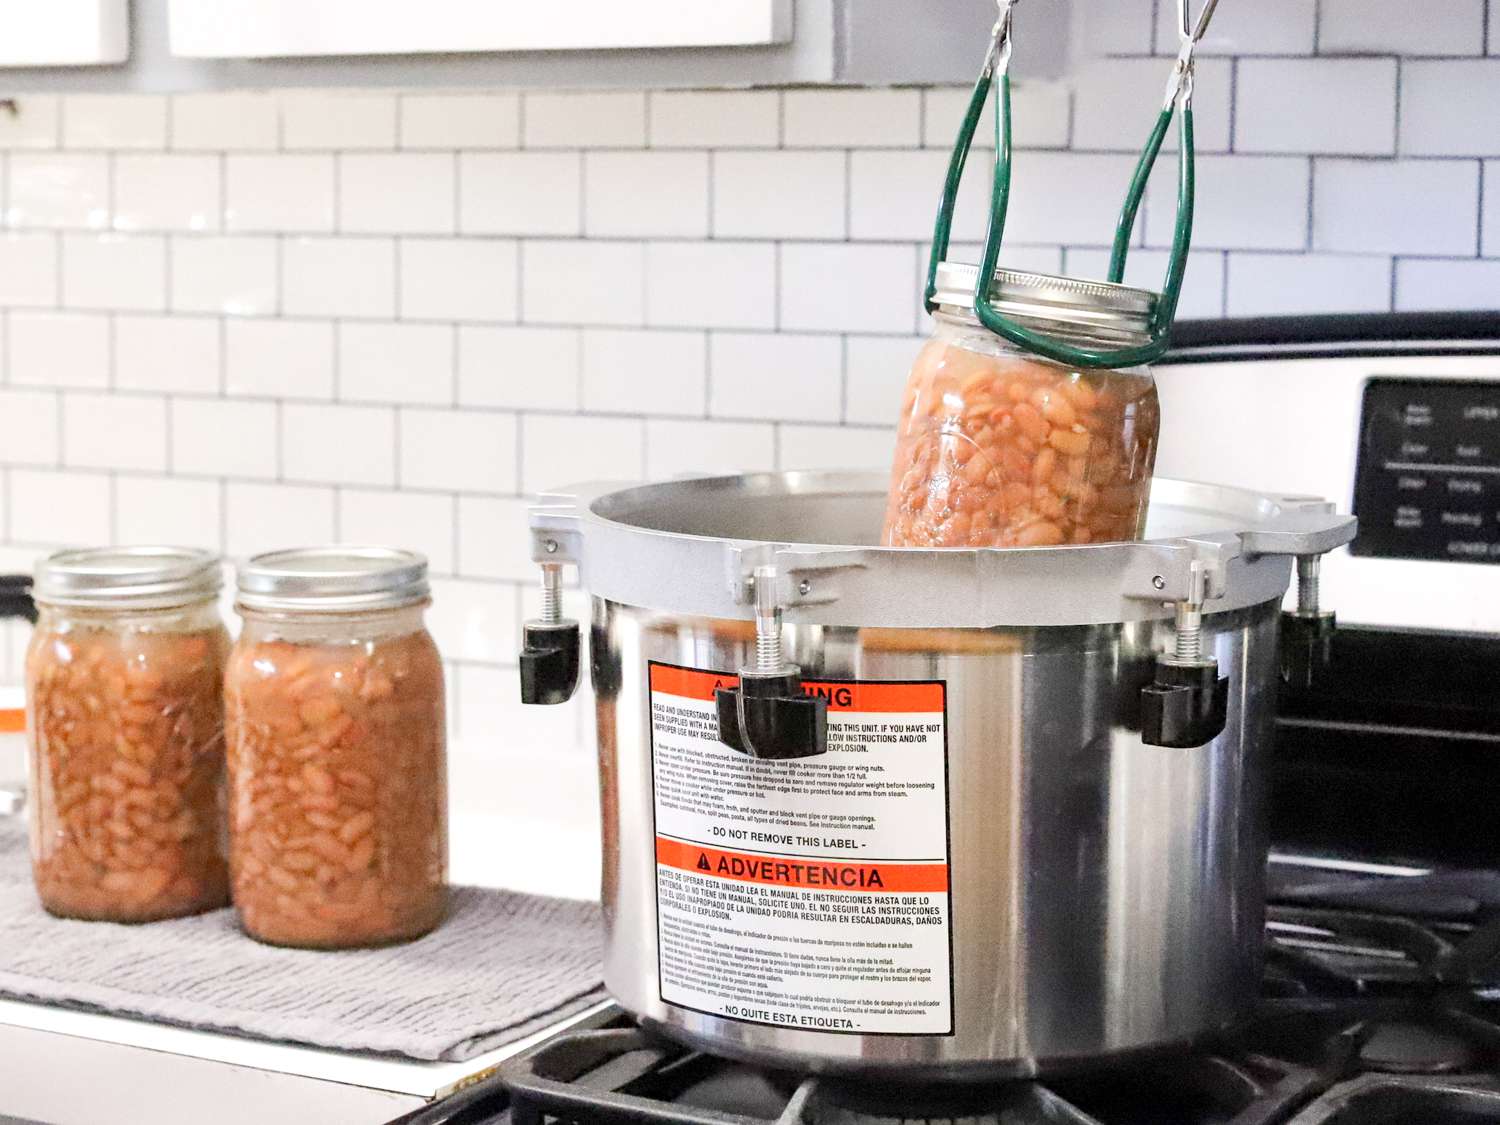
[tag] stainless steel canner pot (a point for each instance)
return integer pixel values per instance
(954, 813)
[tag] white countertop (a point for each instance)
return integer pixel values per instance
(507, 808)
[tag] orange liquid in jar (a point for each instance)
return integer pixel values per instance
(127, 768)
(338, 790)
(1007, 451)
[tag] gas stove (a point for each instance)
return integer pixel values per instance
(1380, 999)
(1370, 1014)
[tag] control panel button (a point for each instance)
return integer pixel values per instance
(1427, 484)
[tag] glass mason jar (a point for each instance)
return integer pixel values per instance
(1001, 448)
(338, 813)
(126, 721)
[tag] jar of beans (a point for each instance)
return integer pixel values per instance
(126, 728)
(1001, 448)
(338, 788)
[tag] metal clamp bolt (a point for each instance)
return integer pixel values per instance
(1188, 702)
(767, 715)
(550, 645)
(1307, 634)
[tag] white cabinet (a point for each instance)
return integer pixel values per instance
(64, 32)
(290, 28)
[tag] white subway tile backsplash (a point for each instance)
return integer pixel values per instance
(279, 358)
(57, 190)
(777, 375)
(645, 194)
(1342, 106)
(714, 118)
(848, 287)
(279, 192)
(114, 271)
(1287, 284)
(1116, 103)
(222, 437)
(520, 192)
(338, 120)
(567, 281)
(31, 427)
(875, 378)
(832, 118)
(268, 517)
(458, 279)
(103, 431)
(836, 447)
(1114, 27)
(316, 442)
(493, 541)
(349, 277)
(559, 450)
(750, 253)
(61, 509)
(521, 368)
(232, 275)
(34, 124)
(1063, 197)
(474, 620)
(1040, 115)
(584, 120)
(234, 122)
(1490, 218)
(749, 198)
(1449, 108)
(188, 513)
(58, 349)
(644, 371)
(397, 193)
(28, 269)
(1202, 287)
(1371, 207)
(1268, 27)
(1364, 27)
(710, 284)
(415, 521)
(1434, 283)
(458, 451)
(159, 192)
(444, 121)
(895, 195)
(1241, 202)
(675, 447)
(114, 121)
(396, 363)
(167, 353)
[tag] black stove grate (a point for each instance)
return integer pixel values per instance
(1368, 1017)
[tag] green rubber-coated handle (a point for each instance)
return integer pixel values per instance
(1160, 328)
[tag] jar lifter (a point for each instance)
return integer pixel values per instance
(1179, 96)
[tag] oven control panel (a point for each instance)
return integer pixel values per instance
(1427, 483)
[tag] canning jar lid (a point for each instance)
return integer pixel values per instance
(1091, 313)
(127, 577)
(333, 580)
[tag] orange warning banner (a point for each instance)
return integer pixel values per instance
(12, 721)
(842, 695)
(801, 871)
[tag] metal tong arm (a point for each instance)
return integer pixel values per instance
(996, 72)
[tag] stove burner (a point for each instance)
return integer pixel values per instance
(1377, 1100)
(1411, 1048)
(1367, 1019)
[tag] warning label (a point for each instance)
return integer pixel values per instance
(809, 893)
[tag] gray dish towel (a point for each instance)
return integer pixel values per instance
(502, 966)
